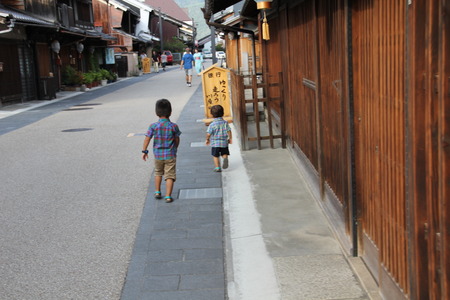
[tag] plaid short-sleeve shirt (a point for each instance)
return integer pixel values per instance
(164, 133)
(218, 129)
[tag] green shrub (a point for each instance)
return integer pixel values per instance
(106, 74)
(71, 77)
(88, 78)
(113, 75)
(97, 75)
(175, 45)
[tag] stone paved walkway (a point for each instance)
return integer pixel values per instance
(179, 252)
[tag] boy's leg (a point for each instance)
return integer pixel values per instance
(225, 161)
(215, 152)
(158, 180)
(170, 176)
(159, 171)
(169, 187)
(216, 162)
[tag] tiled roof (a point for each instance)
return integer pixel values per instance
(169, 7)
(24, 18)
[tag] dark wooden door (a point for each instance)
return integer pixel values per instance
(10, 87)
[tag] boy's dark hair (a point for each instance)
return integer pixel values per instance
(163, 108)
(217, 111)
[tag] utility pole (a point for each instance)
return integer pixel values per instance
(194, 34)
(213, 41)
(160, 30)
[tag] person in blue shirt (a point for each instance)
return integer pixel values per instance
(188, 62)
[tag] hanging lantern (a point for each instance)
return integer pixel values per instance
(56, 46)
(263, 4)
(80, 47)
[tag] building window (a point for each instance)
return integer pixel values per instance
(84, 11)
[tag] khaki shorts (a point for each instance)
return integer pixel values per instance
(166, 168)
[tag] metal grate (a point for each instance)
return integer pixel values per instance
(200, 193)
(198, 144)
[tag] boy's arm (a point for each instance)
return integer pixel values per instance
(177, 141)
(230, 137)
(145, 146)
(208, 136)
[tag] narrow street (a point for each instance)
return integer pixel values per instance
(73, 188)
(78, 219)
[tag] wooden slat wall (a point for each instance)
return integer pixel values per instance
(444, 121)
(333, 94)
(429, 142)
(416, 180)
(379, 62)
(300, 107)
(101, 12)
(274, 53)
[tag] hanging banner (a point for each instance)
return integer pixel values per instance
(109, 56)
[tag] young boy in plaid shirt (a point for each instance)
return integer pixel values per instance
(218, 135)
(165, 144)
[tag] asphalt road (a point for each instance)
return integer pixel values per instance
(72, 188)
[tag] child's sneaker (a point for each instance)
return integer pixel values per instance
(225, 163)
(217, 169)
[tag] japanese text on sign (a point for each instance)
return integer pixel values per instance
(215, 90)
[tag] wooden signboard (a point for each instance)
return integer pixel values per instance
(215, 92)
(146, 65)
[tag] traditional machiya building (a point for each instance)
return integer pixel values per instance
(42, 41)
(44, 37)
(358, 91)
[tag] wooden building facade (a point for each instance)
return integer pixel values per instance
(40, 39)
(367, 116)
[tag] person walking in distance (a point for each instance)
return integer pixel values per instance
(198, 62)
(166, 138)
(188, 62)
(155, 60)
(218, 135)
(163, 60)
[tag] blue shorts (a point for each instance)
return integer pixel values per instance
(217, 151)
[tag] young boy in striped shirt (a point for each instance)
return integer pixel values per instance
(166, 138)
(218, 135)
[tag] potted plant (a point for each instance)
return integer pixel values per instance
(105, 76)
(113, 76)
(72, 78)
(88, 79)
(98, 77)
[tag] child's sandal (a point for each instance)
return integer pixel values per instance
(168, 199)
(158, 195)
(217, 169)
